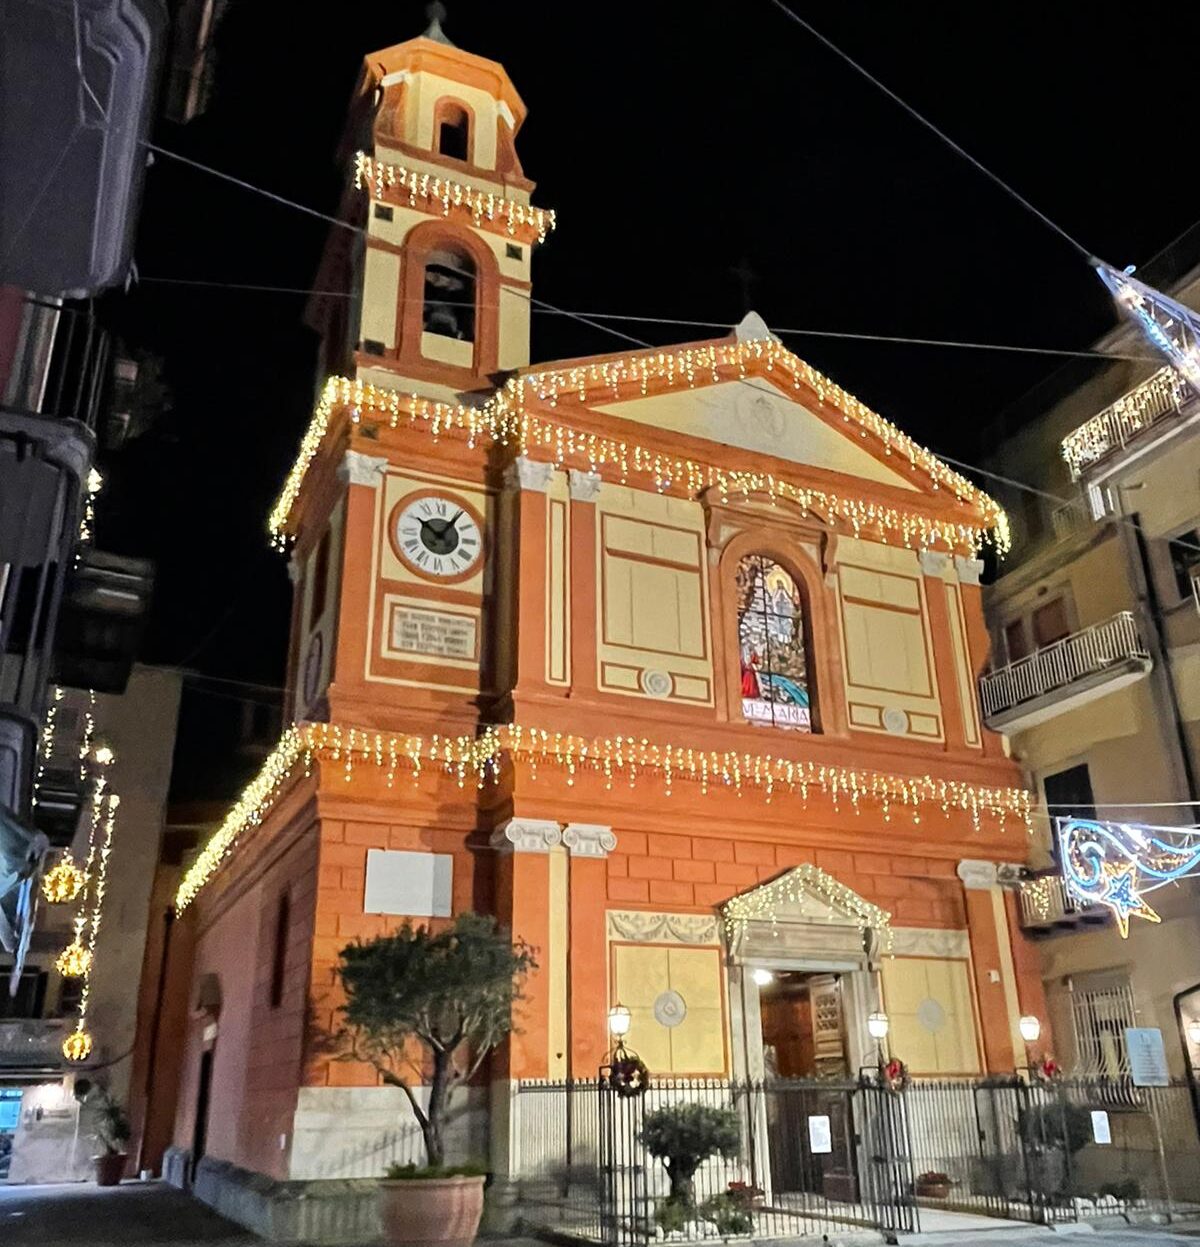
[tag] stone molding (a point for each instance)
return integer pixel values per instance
(977, 875)
(526, 473)
(526, 835)
(360, 469)
(934, 562)
(650, 928)
(930, 942)
(588, 839)
(585, 486)
(968, 569)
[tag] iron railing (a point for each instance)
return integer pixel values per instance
(1046, 901)
(1163, 394)
(814, 1157)
(1096, 649)
(825, 1156)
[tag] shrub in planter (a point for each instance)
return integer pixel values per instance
(934, 1185)
(425, 1009)
(1052, 1133)
(683, 1137)
(110, 1130)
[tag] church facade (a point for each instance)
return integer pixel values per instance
(668, 658)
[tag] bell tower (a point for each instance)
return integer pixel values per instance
(450, 227)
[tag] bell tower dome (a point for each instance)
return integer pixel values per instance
(450, 227)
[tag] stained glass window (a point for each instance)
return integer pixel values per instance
(775, 686)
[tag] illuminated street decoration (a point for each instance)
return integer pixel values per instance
(1173, 328)
(1116, 864)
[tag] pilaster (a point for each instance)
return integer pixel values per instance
(992, 963)
(589, 845)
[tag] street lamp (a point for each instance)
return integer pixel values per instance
(619, 1022)
(878, 1025)
(761, 977)
(1030, 1028)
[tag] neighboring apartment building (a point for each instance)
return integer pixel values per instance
(1096, 654)
(667, 658)
(48, 1140)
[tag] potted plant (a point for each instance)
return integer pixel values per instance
(683, 1137)
(425, 1009)
(934, 1185)
(1052, 1132)
(110, 1129)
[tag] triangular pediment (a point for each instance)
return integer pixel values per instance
(753, 414)
(805, 894)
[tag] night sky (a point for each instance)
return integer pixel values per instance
(678, 142)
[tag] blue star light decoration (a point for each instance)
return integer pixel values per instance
(1116, 864)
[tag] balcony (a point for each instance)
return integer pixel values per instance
(1164, 395)
(1048, 909)
(1064, 675)
(32, 1046)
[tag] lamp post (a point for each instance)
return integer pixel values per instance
(619, 1022)
(878, 1026)
(1030, 1028)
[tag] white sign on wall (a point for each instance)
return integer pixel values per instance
(1101, 1130)
(1147, 1056)
(820, 1136)
(413, 885)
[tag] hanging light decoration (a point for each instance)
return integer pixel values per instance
(74, 961)
(78, 1045)
(63, 882)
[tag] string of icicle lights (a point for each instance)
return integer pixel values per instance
(477, 760)
(505, 419)
(485, 207)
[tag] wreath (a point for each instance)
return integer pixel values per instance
(628, 1075)
(894, 1074)
(1047, 1070)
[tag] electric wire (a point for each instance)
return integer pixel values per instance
(676, 322)
(933, 129)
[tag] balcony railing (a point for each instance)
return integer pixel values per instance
(32, 1044)
(1163, 394)
(1080, 662)
(1046, 905)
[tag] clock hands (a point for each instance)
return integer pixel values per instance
(440, 536)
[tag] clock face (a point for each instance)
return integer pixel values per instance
(438, 536)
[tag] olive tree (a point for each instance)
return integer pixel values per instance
(426, 1007)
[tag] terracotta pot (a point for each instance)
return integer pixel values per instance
(444, 1211)
(110, 1168)
(933, 1190)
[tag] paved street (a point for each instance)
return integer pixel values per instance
(155, 1215)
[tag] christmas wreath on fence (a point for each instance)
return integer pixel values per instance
(628, 1075)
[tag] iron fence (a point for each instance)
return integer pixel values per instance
(812, 1157)
(821, 1156)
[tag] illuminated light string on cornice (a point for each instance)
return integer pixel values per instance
(795, 890)
(478, 760)
(483, 205)
(1116, 865)
(505, 420)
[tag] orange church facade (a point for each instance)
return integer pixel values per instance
(666, 658)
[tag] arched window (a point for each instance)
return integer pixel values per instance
(450, 294)
(453, 131)
(771, 642)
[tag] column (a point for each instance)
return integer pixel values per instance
(364, 474)
(588, 845)
(525, 846)
(529, 482)
(585, 489)
(992, 962)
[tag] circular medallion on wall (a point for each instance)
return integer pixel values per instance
(670, 1009)
(656, 683)
(931, 1016)
(895, 720)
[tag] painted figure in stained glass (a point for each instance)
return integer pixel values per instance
(771, 639)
